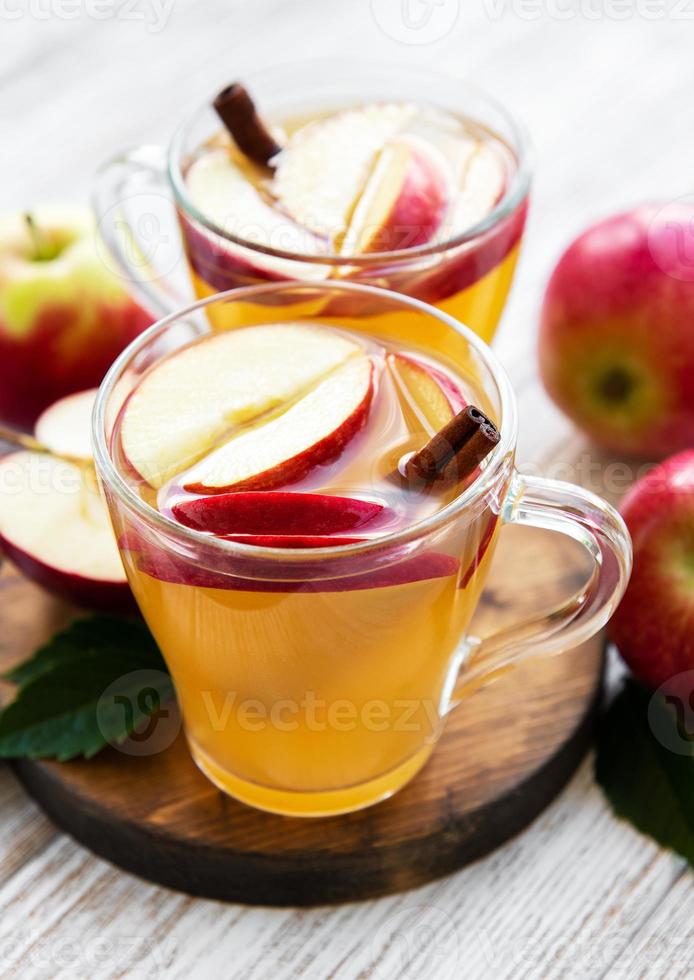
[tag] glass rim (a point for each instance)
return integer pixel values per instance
(513, 196)
(470, 495)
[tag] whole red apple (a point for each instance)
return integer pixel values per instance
(64, 316)
(617, 331)
(654, 624)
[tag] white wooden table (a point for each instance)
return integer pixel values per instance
(605, 87)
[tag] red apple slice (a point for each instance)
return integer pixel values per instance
(65, 426)
(325, 165)
(169, 567)
(221, 191)
(313, 430)
(404, 201)
(431, 394)
(482, 548)
(276, 512)
(191, 399)
(54, 526)
(292, 540)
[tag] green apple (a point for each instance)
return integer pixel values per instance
(64, 315)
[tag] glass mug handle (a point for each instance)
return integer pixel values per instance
(555, 506)
(136, 181)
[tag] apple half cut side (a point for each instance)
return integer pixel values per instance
(54, 526)
(276, 512)
(313, 430)
(65, 426)
(192, 398)
(431, 394)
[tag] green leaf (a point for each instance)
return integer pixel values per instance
(91, 637)
(92, 685)
(645, 765)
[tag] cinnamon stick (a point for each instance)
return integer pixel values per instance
(455, 451)
(236, 109)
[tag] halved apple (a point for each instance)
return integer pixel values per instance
(276, 512)
(324, 167)
(282, 450)
(404, 201)
(194, 397)
(432, 395)
(65, 426)
(54, 526)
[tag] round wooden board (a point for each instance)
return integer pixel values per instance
(503, 757)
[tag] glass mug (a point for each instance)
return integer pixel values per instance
(467, 276)
(317, 681)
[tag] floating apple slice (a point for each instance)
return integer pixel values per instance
(313, 430)
(482, 548)
(276, 512)
(482, 185)
(325, 165)
(433, 396)
(220, 190)
(192, 398)
(292, 540)
(168, 567)
(65, 426)
(55, 527)
(404, 201)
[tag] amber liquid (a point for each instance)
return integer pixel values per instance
(322, 696)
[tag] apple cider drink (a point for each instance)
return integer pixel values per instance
(396, 194)
(312, 664)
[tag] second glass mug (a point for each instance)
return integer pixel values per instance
(468, 275)
(296, 670)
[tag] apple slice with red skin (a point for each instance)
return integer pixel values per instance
(482, 548)
(189, 400)
(221, 190)
(404, 202)
(325, 165)
(168, 567)
(65, 426)
(292, 540)
(55, 528)
(314, 430)
(276, 512)
(434, 395)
